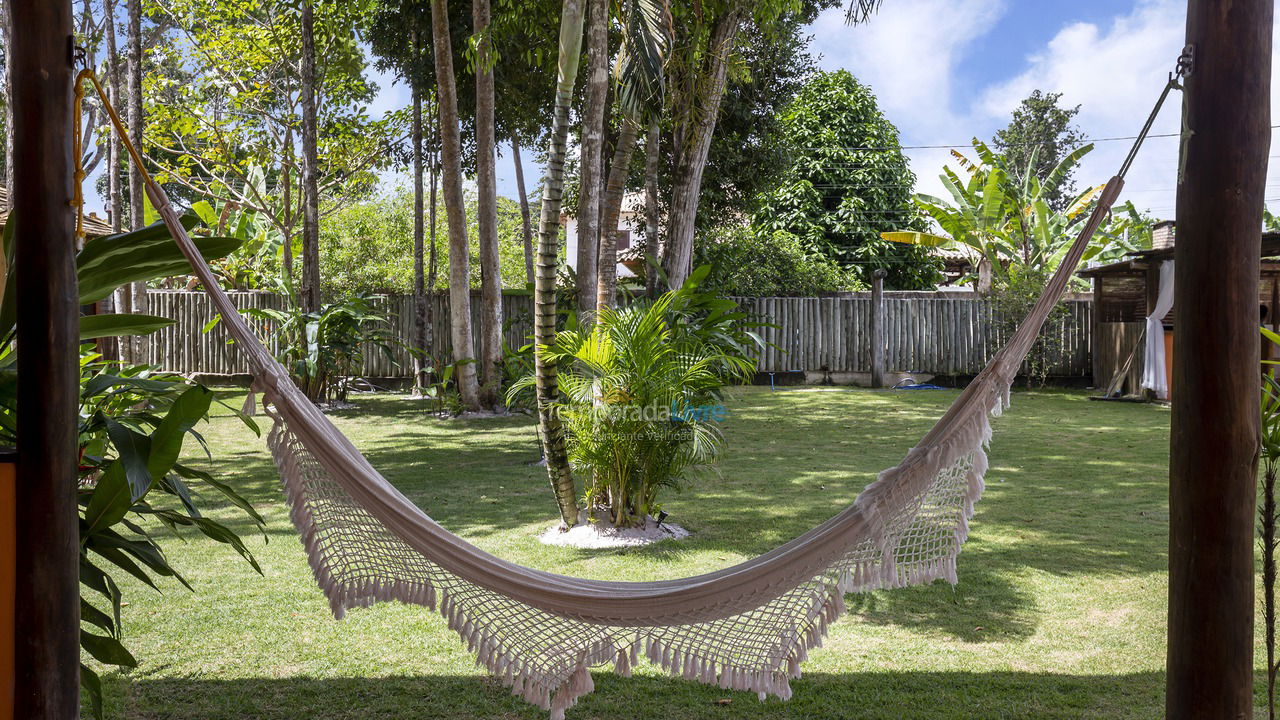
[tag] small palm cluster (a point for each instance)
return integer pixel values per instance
(641, 396)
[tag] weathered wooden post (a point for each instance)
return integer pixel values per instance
(1214, 438)
(877, 328)
(47, 600)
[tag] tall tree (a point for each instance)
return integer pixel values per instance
(697, 89)
(115, 206)
(134, 296)
(709, 36)
(838, 198)
(525, 225)
(592, 154)
(487, 211)
(419, 274)
(1039, 135)
(310, 294)
(550, 427)
(225, 116)
(455, 212)
(640, 76)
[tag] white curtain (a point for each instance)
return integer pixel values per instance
(1153, 374)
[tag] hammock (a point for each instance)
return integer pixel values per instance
(746, 627)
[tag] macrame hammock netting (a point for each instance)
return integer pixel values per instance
(746, 627)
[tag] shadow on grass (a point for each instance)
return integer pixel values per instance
(1073, 489)
(858, 695)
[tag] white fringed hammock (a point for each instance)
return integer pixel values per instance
(746, 627)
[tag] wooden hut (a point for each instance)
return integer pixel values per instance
(1123, 291)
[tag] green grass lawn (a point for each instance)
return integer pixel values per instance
(1059, 613)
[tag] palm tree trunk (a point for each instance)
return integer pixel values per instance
(544, 317)
(487, 212)
(114, 203)
(592, 154)
(429, 336)
(137, 345)
(455, 212)
(619, 168)
(691, 153)
(652, 233)
(525, 225)
(419, 275)
(310, 157)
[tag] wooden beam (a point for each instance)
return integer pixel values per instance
(47, 604)
(877, 328)
(1214, 437)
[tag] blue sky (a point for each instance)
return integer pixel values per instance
(948, 70)
(945, 71)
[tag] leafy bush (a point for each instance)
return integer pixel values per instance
(323, 350)
(761, 264)
(642, 392)
(1013, 295)
(368, 247)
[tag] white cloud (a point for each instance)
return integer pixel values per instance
(1114, 73)
(911, 52)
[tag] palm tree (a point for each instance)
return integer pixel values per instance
(487, 212)
(639, 73)
(592, 155)
(550, 427)
(455, 213)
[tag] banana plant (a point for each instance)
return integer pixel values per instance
(1005, 222)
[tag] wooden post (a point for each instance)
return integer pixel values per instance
(877, 328)
(47, 601)
(1214, 437)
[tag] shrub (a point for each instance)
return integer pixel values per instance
(761, 263)
(642, 391)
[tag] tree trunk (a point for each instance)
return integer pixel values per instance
(592, 154)
(429, 312)
(607, 293)
(455, 212)
(310, 157)
(419, 278)
(550, 428)
(691, 153)
(114, 150)
(8, 101)
(525, 224)
(286, 184)
(1214, 423)
(652, 233)
(487, 214)
(137, 345)
(46, 597)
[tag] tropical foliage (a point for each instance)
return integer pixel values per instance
(324, 349)
(847, 182)
(746, 262)
(1005, 223)
(642, 395)
(132, 426)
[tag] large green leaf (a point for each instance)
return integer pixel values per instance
(133, 450)
(110, 500)
(166, 441)
(106, 649)
(97, 326)
(107, 263)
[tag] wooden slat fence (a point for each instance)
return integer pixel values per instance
(937, 334)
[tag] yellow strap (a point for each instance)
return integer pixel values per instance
(77, 199)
